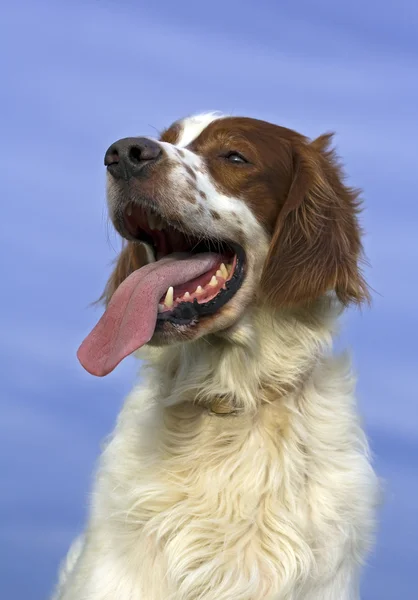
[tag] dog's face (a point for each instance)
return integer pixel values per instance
(211, 185)
(259, 209)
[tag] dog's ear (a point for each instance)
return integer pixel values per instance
(132, 257)
(316, 244)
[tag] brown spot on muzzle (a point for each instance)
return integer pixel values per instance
(190, 197)
(190, 171)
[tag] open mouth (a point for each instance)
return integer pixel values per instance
(190, 279)
(203, 295)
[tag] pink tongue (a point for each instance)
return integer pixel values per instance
(130, 318)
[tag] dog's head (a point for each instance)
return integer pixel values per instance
(220, 213)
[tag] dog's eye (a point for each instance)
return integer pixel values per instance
(235, 157)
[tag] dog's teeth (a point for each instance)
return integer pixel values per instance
(129, 210)
(219, 273)
(186, 296)
(213, 282)
(224, 271)
(161, 307)
(199, 289)
(229, 269)
(169, 297)
(155, 222)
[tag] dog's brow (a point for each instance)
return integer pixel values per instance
(193, 127)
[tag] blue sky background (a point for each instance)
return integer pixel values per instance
(76, 76)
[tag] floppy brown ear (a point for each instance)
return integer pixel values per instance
(132, 257)
(316, 245)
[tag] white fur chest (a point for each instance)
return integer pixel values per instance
(191, 505)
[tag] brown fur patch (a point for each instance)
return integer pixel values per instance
(295, 189)
(189, 196)
(190, 171)
(172, 134)
(316, 244)
(265, 180)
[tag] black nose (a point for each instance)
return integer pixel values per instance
(127, 157)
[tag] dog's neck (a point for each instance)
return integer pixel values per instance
(266, 355)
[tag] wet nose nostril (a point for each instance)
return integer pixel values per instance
(144, 151)
(128, 157)
(135, 154)
(112, 158)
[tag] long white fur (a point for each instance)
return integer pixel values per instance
(193, 126)
(273, 502)
(277, 502)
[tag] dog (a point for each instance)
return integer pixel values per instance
(238, 468)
